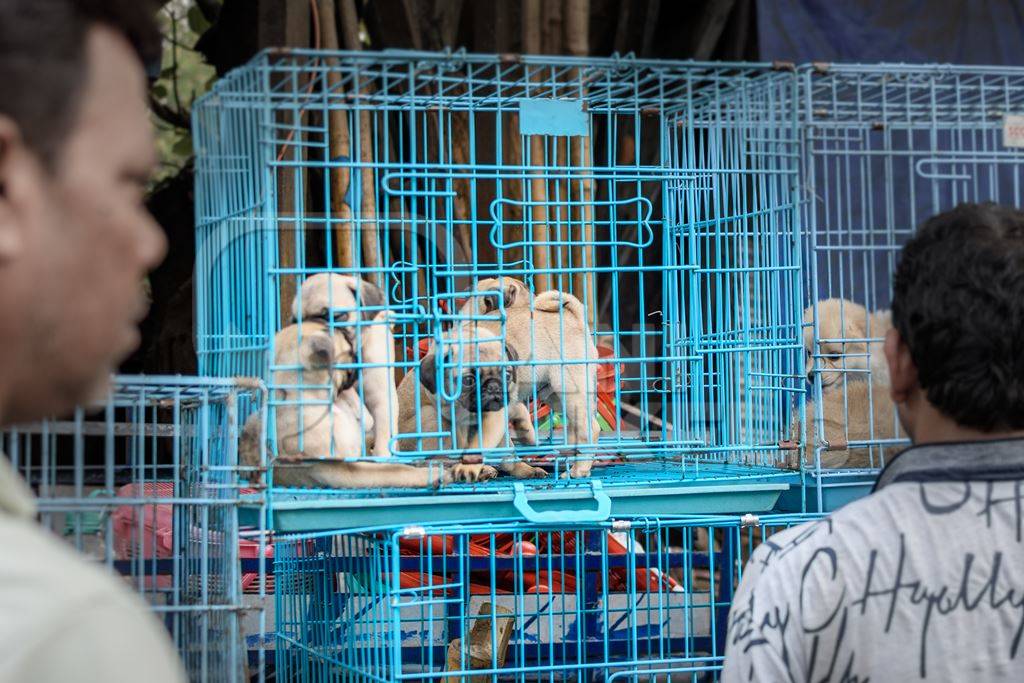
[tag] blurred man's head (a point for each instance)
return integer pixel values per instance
(956, 352)
(76, 150)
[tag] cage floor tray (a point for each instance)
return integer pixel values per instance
(617, 490)
(838, 488)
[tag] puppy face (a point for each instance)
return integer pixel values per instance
(336, 298)
(514, 294)
(314, 348)
(488, 382)
(840, 324)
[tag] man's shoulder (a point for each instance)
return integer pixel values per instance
(46, 578)
(841, 531)
(71, 610)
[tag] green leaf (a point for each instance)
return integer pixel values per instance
(196, 21)
(183, 147)
(159, 91)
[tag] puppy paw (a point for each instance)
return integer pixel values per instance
(470, 473)
(579, 470)
(521, 470)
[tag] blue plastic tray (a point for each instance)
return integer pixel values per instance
(837, 489)
(618, 490)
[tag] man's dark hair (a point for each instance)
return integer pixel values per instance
(958, 304)
(42, 59)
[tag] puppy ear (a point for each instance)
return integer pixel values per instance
(511, 292)
(368, 294)
(511, 354)
(489, 301)
(428, 368)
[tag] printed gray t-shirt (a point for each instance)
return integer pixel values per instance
(923, 580)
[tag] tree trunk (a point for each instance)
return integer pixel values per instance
(577, 41)
(339, 144)
(538, 190)
(366, 223)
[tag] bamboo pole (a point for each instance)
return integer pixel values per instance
(538, 190)
(338, 144)
(367, 222)
(577, 41)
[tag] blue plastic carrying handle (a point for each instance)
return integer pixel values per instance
(601, 513)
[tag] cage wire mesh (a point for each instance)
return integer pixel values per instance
(886, 147)
(426, 175)
(146, 484)
(637, 599)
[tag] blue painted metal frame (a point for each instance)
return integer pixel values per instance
(392, 605)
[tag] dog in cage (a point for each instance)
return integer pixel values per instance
(849, 341)
(855, 403)
(481, 417)
(481, 354)
(320, 419)
(852, 411)
(357, 310)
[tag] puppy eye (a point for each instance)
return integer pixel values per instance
(341, 317)
(508, 374)
(469, 379)
(323, 313)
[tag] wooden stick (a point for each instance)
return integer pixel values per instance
(338, 144)
(538, 189)
(367, 223)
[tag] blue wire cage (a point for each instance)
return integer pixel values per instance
(631, 185)
(629, 599)
(885, 147)
(145, 483)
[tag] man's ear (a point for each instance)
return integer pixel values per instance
(902, 371)
(20, 175)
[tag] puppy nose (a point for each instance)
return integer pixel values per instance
(492, 385)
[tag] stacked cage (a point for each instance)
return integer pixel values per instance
(500, 302)
(146, 485)
(532, 249)
(885, 147)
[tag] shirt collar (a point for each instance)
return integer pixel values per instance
(1001, 459)
(16, 497)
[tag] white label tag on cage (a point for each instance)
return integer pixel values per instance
(1013, 130)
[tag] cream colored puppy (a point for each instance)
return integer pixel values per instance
(320, 418)
(552, 337)
(332, 299)
(851, 411)
(844, 331)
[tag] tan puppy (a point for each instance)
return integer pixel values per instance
(332, 299)
(844, 329)
(545, 336)
(851, 411)
(481, 415)
(320, 416)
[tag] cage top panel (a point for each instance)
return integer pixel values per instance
(894, 95)
(152, 389)
(403, 80)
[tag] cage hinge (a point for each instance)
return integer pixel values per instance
(749, 519)
(621, 525)
(416, 531)
(783, 65)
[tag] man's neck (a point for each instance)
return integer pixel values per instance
(931, 426)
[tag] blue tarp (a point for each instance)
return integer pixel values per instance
(956, 31)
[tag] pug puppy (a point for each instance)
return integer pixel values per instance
(484, 409)
(545, 335)
(320, 419)
(331, 298)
